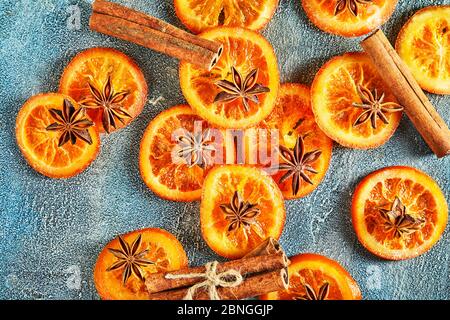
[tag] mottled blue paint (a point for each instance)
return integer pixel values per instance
(50, 229)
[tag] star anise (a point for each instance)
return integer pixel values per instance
(109, 101)
(130, 259)
(72, 123)
(196, 148)
(374, 107)
(297, 164)
(351, 5)
(239, 212)
(398, 221)
(312, 295)
(247, 89)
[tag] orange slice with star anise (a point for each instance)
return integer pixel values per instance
(177, 151)
(241, 207)
(109, 84)
(399, 212)
(123, 264)
(352, 104)
(349, 18)
(56, 136)
(302, 150)
(424, 45)
(200, 15)
(315, 277)
(241, 89)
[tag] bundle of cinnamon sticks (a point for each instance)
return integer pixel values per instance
(263, 270)
(130, 25)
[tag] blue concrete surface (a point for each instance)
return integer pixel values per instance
(51, 231)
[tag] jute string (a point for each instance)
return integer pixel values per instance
(230, 278)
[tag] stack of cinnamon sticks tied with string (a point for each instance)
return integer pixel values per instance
(130, 25)
(261, 271)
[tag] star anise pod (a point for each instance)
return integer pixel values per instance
(239, 212)
(196, 148)
(297, 164)
(247, 89)
(398, 221)
(312, 295)
(109, 101)
(374, 107)
(130, 259)
(72, 123)
(351, 5)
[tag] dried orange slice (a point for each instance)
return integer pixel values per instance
(200, 15)
(241, 89)
(424, 44)
(177, 151)
(399, 212)
(351, 103)
(56, 137)
(123, 264)
(315, 277)
(109, 84)
(349, 18)
(297, 174)
(241, 207)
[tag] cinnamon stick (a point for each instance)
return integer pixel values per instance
(268, 246)
(134, 26)
(252, 286)
(157, 282)
(419, 109)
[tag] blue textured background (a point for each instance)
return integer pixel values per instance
(51, 231)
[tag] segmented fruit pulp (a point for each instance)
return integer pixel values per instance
(419, 202)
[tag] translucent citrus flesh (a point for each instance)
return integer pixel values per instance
(419, 203)
(95, 66)
(246, 51)
(253, 187)
(314, 278)
(40, 146)
(200, 15)
(316, 270)
(335, 91)
(293, 117)
(177, 176)
(164, 250)
(424, 44)
(369, 16)
(423, 200)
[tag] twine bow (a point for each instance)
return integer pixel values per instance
(230, 278)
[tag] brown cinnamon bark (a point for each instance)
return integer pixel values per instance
(157, 282)
(268, 246)
(419, 109)
(133, 26)
(119, 11)
(252, 286)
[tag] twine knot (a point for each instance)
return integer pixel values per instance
(230, 278)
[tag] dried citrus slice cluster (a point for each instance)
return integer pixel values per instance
(424, 44)
(124, 262)
(349, 18)
(200, 15)
(102, 90)
(315, 277)
(399, 212)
